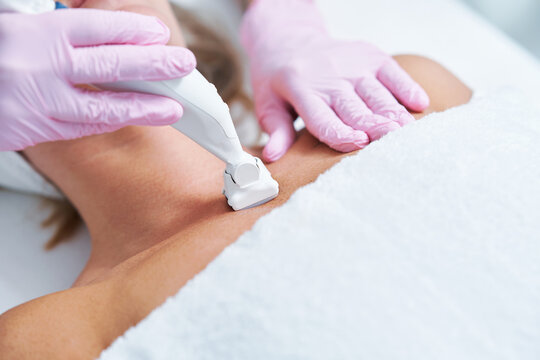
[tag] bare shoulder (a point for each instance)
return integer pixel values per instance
(444, 88)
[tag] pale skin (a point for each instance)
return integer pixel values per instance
(152, 201)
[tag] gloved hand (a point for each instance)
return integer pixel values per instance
(43, 56)
(346, 92)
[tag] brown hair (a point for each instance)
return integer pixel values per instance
(218, 61)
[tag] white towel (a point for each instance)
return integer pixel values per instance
(425, 245)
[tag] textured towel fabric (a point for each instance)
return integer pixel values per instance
(425, 245)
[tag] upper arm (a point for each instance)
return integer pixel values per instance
(71, 324)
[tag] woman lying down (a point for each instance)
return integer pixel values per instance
(151, 198)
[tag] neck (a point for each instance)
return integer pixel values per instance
(135, 187)
(140, 186)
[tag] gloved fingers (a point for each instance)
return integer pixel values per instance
(88, 27)
(129, 62)
(353, 111)
(404, 88)
(281, 132)
(276, 119)
(111, 108)
(323, 123)
(381, 101)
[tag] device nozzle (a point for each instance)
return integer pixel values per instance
(249, 184)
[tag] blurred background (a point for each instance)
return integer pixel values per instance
(520, 19)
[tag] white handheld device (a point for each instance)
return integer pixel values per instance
(208, 122)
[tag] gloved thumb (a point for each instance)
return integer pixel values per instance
(281, 139)
(276, 119)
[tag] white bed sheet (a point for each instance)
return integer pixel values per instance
(27, 270)
(442, 29)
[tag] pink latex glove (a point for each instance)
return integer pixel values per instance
(346, 92)
(43, 56)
